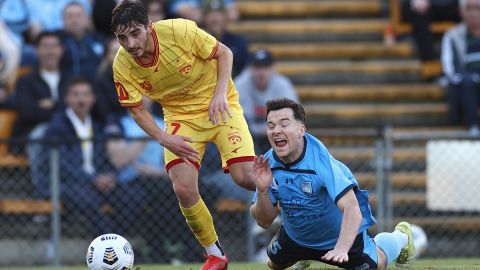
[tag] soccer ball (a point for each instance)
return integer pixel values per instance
(420, 240)
(110, 252)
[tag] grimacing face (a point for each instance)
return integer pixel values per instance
(285, 134)
(133, 38)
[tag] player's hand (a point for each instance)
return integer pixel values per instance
(218, 107)
(263, 174)
(105, 182)
(336, 256)
(177, 144)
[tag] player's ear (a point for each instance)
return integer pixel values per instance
(149, 27)
(301, 130)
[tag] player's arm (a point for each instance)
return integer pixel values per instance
(219, 103)
(174, 143)
(263, 210)
(352, 218)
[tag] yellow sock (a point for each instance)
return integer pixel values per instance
(200, 222)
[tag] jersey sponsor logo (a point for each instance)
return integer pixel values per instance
(236, 150)
(234, 137)
(146, 85)
(307, 188)
(184, 68)
(121, 91)
(185, 90)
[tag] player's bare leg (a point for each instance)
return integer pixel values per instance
(242, 174)
(185, 184)
(382, 259)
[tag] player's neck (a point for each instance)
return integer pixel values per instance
(148, 55)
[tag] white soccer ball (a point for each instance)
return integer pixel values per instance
(420, 240)
(110, 252)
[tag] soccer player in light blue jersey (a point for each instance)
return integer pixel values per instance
(325, 213)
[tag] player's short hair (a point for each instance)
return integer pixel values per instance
(47, 34)
(127, 13)
(282, 103)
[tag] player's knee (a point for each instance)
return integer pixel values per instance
(185, 194)
(243, 179)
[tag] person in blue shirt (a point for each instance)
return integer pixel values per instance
(325, 214)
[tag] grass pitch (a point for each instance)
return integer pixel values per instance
(430, 264)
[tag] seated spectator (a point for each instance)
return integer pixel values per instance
(105, 88)
(101, 22)
(88, 181)
(192, 9)
(9, 55)
(47, 15)
(14, 24)
(214, 21)
(39, 93)
(461, 65)
(256, 85)
(420, 13)
(5, 100)
(83, 49)
(156, 10)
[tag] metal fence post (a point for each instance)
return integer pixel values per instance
(379, 168)
(55, 202)
(387, 178)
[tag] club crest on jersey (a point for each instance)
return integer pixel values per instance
(307, 188)
(184, 68)
(234, 137)
(146, 85)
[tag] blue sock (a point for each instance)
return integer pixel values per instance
(390, 243)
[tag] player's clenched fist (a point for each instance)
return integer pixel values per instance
(263, 174)
(177, 144)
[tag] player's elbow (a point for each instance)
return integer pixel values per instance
(264, 224)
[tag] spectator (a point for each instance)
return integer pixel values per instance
(83, 49)
(88, 181)
(214, 21)
(39, 93)
(5, 101)
(100, 21)
(258, 84)
(15, 23)
(461, 65)
(156, 10)
(191, 9)
(46, 15)
(420, 13)
(9, 55)
(106, 92)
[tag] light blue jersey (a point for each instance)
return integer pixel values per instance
(307, 191)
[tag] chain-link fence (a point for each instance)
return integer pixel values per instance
(51, 208)
(433, 181)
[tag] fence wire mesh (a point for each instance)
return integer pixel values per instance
(125, 195)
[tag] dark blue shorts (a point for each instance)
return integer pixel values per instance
(362, 255)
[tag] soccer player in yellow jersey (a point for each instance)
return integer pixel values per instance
(188, 72)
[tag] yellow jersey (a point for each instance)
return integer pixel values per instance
(182, 76)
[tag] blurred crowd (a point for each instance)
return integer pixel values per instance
(56, 72)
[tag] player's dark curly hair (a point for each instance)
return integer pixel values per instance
(281, 103)
(127, 13)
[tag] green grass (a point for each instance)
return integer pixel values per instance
(431, 264)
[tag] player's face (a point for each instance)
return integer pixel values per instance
(285, 134)
(133, 38)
